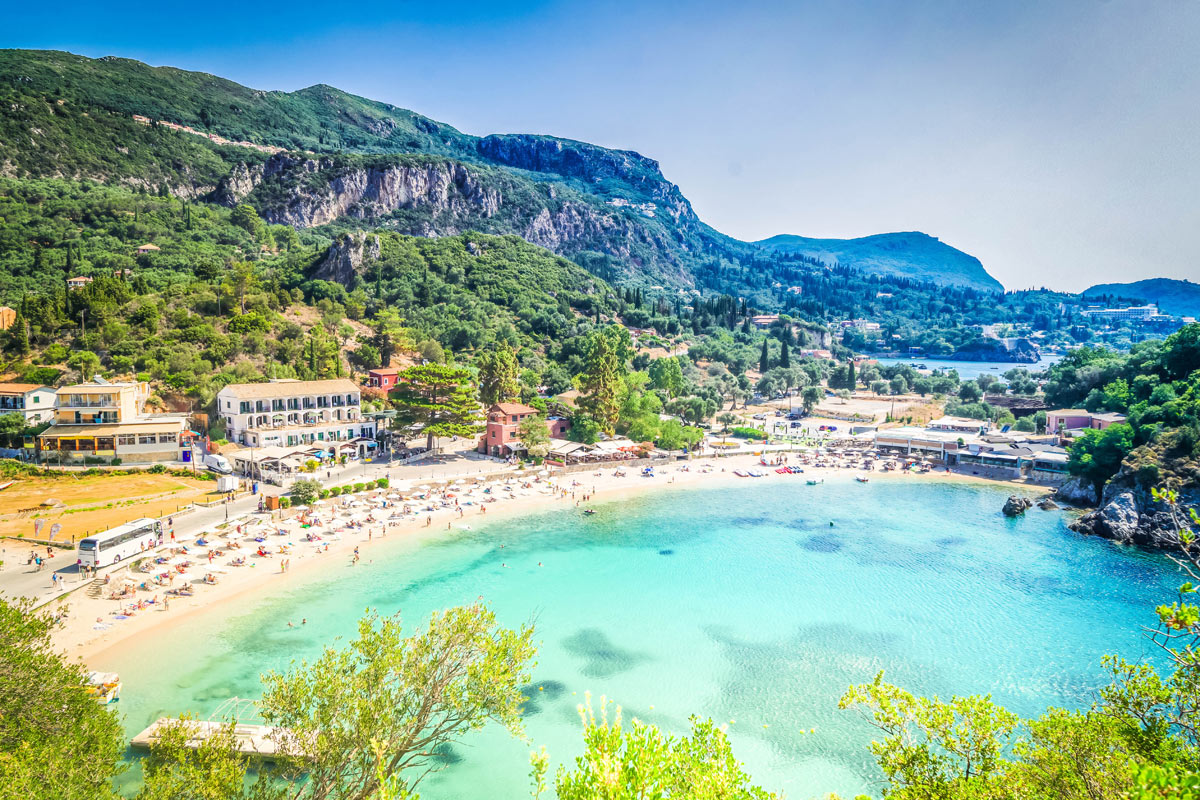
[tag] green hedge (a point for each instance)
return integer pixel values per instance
(748, 433)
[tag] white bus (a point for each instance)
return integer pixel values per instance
(121, 542)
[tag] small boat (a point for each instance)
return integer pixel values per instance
(5, 485)
(105, 687)
(741, 473)
(814, 482)
(862, 478)
(589, 511)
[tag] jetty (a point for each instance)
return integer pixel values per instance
(256, 741)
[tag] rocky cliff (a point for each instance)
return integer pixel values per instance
(1018, 351)
(1126, 511)
(432, 196)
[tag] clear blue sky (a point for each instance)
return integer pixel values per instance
(1057, 141)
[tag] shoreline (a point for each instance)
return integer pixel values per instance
(93, 634)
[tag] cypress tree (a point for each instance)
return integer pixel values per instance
(764, 361)
(784, 361)
(853, 379)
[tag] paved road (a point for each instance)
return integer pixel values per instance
(20, 580)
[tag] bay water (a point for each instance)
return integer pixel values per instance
(755, 604)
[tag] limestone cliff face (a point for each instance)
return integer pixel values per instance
(444, 198)
(346, 255)
(587, 163)
(446, 188)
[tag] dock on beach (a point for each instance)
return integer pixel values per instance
(258, 741)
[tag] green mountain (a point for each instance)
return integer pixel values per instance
(908, 255)
(322, 157)
(1181, 298)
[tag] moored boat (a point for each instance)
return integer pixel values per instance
(104, 686)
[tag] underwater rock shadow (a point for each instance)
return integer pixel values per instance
(602, 658)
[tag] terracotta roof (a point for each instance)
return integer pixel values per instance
(149, 247)
(249, 391)
(513, 408)
(20, 388)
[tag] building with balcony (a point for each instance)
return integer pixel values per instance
(502, 436)
(290, 413)
(31, 400)
(109, 420)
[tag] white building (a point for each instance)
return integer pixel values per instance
(31, 400)
(1119, 314)
(291, 412)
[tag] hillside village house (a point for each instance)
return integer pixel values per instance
(384, 378)
(291, 412)
(148, 248)
(78, 282)
(31, 400)
(108, 420)
(502, 436)
(1063, 420)
(7, 317)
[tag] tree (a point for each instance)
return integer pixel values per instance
(18, 336)
(535, 436)
(969, 392)
(852, 379)
(385, 706)
(246, 218)
(878, 387)
(305, 491)
(642, 762)
(726, 419)
(843, 395)
(600, 384)
(85, 362)
(666, 375)
(898, 385)
(56, 741)
(212, 771)
(1097, 455)
(764, 360)
(812, 397)
(12, 424)
(930, 747)
(785, 360)
(499, 376)
(438, 399)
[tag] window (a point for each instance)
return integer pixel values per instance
(167, 438)
(245, 407)
(126, 439)
(146, 438)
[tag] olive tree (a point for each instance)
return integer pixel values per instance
(385, 705)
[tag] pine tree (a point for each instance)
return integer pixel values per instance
(764, 361)
(439, 399)
(499, 380)
(601, 382)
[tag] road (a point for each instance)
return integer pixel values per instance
(17, 579)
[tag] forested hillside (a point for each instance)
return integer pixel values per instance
(67, 116)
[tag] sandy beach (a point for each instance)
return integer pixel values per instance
(98, 626)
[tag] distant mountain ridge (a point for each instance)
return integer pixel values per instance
(351, 160)
(909, 254)
(1178, 297)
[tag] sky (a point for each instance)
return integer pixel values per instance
(1059, 142)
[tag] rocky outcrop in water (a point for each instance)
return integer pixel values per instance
(1077, 491)
(1127, 511)
(1017, 351)
(1015, 506)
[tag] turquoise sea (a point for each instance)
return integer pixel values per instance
(740, 603)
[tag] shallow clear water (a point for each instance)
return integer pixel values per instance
(741, 603)
(969, 370)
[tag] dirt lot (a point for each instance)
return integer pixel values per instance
(94, 502)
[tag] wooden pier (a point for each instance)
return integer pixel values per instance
(258, 741)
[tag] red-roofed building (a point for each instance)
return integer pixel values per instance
(502, 437)
(383, 378)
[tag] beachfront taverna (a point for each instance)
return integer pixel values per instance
(109, 420)
(292, 412)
